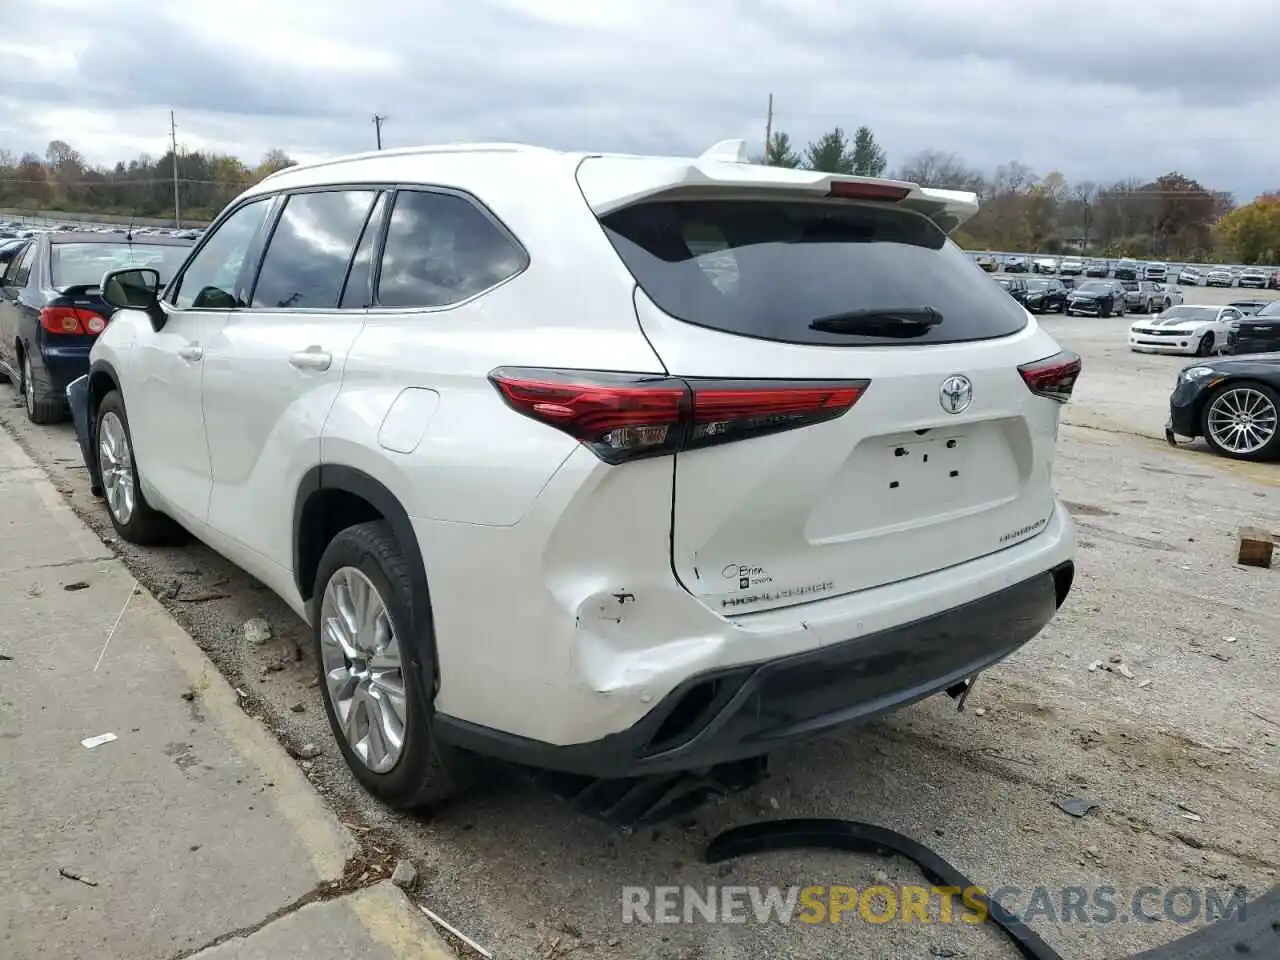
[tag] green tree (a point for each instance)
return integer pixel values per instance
(780, 152)
(868, 159)
(829, 153)
(1252, 232)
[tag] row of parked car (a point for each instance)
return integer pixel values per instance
(1096, 298)
(1126, 269)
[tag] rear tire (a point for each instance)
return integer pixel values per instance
(423, 772)
(40, 409)
(131, 516)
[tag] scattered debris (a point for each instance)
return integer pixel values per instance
(405, 875)
(1221, 656)
(73, 587)
(1124, 671)
(308, 751)
(241, 694)
(275, 666)
(299, 707)
(1075, 806)
(942, 952)
(70, 875)
(1256, 547)
(1194, 817)
(1228, 639)
(202, 597)
(1255, 713)
(880, 877)
(1189, 840)
(189, 695)
(1182, 806)
(1143, 684)
(1116, 658)
(5, 656)
(256, 631)
(175, 587)
(440, 922)
(90, 742)
(1093, 667)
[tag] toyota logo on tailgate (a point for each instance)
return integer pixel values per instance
(956, 394)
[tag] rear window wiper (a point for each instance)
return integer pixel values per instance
(881, 321)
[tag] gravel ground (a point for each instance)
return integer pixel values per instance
(1195, 732)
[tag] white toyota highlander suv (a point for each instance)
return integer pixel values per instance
(610, 465)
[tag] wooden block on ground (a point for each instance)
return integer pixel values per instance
(1256, 547)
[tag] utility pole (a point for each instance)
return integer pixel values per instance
(173, 143)
(768, 130)
(377, 126)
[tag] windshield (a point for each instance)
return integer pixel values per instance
(1131, 285)
(1039, 284)
(1094, 288)
(83, 264)
(1190, 313)
(1272, 309)
(770, 268)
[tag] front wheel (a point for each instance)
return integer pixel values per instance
(1242, 421)
(133, 518)
(1205, 347)
(376, 685)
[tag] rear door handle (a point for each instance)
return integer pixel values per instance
(192, 352)
(312, 358)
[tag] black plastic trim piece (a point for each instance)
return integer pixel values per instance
(337, 477)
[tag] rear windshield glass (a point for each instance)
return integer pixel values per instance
(76, 264)
(768, 269)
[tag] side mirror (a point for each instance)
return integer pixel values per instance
(137, 288)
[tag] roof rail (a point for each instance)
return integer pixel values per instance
(421, 150)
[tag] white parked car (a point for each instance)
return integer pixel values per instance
(608, 464)
(1219, 277)
(1190, 276)
(1071, 267)
(1184, 329)
(1255, 277)
(1044, 265)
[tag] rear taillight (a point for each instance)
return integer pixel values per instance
(628, 416)
(72, 320)
(853, 190)
(1053, 377)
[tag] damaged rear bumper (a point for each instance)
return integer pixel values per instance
(732, 713)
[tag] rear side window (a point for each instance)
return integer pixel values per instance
(310, 248)
(22, 272)
(768, 269)
(442, 249)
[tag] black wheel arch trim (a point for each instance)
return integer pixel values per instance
(360, 484)
(97, 367)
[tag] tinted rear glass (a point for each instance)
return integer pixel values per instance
(767, 269)
(76, 264)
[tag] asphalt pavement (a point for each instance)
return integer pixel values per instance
(146, 815)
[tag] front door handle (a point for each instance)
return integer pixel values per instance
(192, 352)
(312, 358)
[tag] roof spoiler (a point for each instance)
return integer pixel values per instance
(610, 183)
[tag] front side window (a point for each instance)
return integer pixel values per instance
(11, 271)
(209, 282)
(23, 271)
(442, 249)
(310, 248)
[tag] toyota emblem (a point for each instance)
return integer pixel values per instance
(956, 394)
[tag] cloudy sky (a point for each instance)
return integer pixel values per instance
(1097, 90)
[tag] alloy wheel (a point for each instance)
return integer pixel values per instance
(115, 464)
(1242, 420)
(363, 669)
